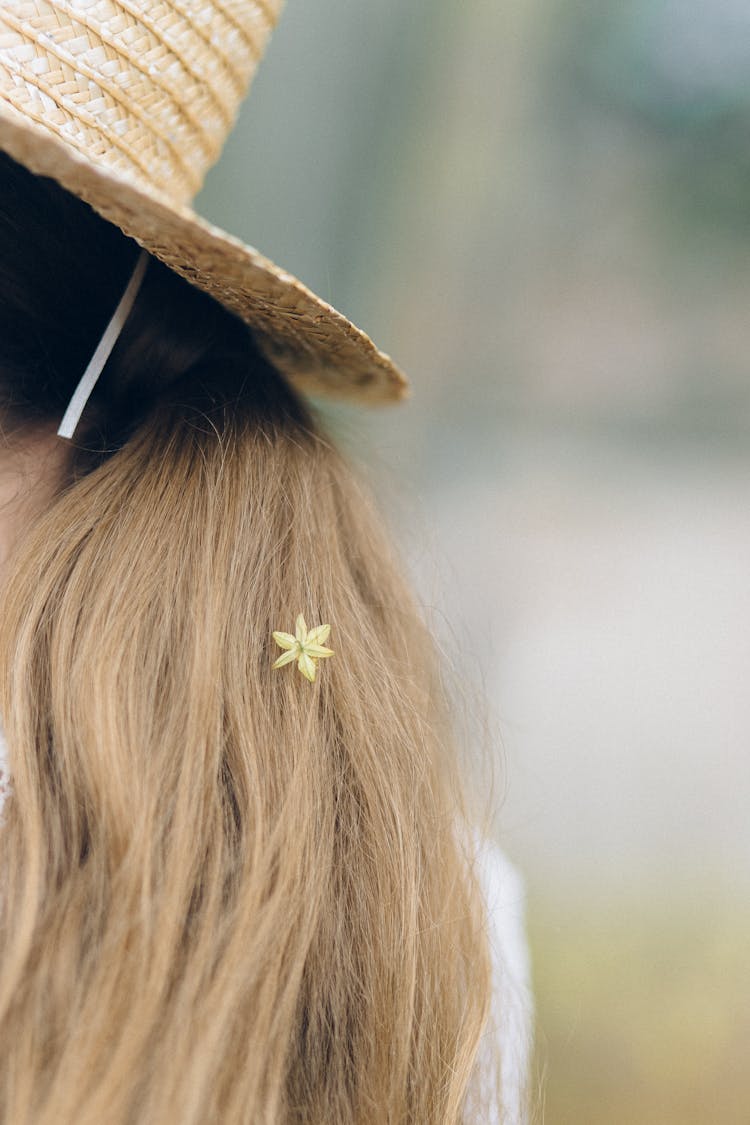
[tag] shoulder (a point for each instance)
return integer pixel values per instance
(505, 896)
(510, 1025)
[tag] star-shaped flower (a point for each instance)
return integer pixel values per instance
(305, 647)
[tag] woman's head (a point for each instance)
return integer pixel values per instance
(229, 894)
(62, 271)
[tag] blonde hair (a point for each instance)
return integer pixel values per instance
(228, 894)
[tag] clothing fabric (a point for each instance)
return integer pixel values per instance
(5, 786)
(511, 1015)
(510, 1025)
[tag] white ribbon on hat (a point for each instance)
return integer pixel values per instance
(87, 382)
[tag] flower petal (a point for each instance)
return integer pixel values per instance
(284, 640)
(306, 666)
(318, 651)
(300, 629)
(285, 658)
(319, 635)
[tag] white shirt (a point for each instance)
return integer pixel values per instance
(511, 1013)
(510, 1024)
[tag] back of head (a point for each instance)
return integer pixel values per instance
(228, 894)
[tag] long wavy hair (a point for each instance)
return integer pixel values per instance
(228, 895)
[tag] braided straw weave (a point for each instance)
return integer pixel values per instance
(127, 103)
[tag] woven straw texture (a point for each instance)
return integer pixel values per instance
(127, 104)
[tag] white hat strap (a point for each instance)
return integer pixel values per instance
(109, 337)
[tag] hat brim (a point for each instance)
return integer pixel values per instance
(316, 347)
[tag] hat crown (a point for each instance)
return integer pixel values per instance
(148, 89)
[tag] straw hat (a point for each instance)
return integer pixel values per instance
(127, 103)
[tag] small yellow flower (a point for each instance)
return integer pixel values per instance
(305, 647)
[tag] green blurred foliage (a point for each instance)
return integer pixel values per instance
(644, 1011)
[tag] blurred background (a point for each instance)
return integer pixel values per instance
(542, 211)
